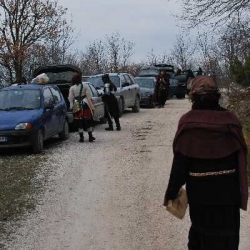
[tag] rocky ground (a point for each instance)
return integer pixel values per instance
(108, 195)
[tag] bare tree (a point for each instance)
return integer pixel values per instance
(182, 53)
(213, 12)
(152, 58)
(119, 52)
(94, 59)
(24, 24)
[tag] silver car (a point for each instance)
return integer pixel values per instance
(128, 92)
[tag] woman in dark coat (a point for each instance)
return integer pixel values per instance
(162, 88)
(111, 103)
(210, 158)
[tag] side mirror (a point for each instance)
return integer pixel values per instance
(126, 84)
(49, 105)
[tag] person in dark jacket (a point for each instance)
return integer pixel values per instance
(200, 72)
(162, 88)
(111, 103)
(210, 157)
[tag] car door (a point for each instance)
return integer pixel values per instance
(60, 109)
(125, 86)
(49, 117)
(135, 88)
(131, 98)
(99, 105)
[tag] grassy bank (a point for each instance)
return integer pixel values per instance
(239, 103)
(19, 187)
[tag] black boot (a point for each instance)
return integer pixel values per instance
(91, 137)
(81, 137)
(117, 122)
(109, 128)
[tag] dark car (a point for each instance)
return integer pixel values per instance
(61, 76)
(154, 70)
(30, 114)
(147, 87)
(181, 89)
(177, 87)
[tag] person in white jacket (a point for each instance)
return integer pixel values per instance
(84, 118)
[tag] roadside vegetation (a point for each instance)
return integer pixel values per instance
(19, 187)
(239, 103)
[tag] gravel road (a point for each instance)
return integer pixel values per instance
(108, 195)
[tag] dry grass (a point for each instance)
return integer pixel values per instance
(239, 103)
(19, 187)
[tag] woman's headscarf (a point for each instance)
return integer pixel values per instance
(203, 85)
(76, 79)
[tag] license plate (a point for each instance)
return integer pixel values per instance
(3, 139)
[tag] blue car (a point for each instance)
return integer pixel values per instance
(30, 114)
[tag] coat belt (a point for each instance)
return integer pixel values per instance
(212, 173)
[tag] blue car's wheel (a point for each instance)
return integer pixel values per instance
(64, 135)
(38, 142)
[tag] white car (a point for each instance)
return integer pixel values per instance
(128, 92)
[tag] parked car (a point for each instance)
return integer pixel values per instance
(99, 114)
(177, 87)
(173, 87)
(147, 88)
(128, 92)
(30, 114)
(61, 76)
(181, 89)
(154, 70)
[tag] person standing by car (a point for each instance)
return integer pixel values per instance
(84, 118)
(190, 78)
(162, 88)
(178, 72)
(111, 103)
(199, 72)
(210, 157)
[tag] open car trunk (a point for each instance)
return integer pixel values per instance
(59, 75)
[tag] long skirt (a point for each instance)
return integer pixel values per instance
(214, 228)
(84, 119)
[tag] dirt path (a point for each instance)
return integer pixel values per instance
(108, 195)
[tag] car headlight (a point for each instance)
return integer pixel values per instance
(23, 126)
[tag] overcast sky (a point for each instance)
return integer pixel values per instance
(150, 24)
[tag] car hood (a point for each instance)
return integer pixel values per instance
(9, 119)
(146, 90)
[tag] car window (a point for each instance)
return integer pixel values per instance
(94, 91)
(122, 78)
(132, 79)
(149, 72)
(21, 99)
(60, 77)
(48, 97)
(127, 79)
(88, 89)
(56, 95)
(145, 82)
(97, 82)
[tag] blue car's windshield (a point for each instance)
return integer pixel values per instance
(149, 72)
(19, 99)
(98, 83)
(145, 82)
